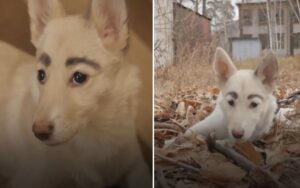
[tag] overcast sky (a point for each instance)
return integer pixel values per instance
(236, 9)
(233, 2)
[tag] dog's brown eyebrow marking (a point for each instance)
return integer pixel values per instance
(233, 94)
(82, 60)
(255, 95)
(45, 59)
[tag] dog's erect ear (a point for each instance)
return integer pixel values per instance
(223, 66)
(40, 13)
(110, 19)
(267, 71)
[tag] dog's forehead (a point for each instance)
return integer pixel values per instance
(244, 83)
(72, 37)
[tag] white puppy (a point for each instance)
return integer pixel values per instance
(246, 107)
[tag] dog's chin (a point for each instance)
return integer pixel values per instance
(54, 143)
(240, 140)
(57, 142)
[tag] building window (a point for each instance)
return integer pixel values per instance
(247, 36)
(247, 17)
(296, 40)
(264, 40)
(280, 41)
(277, 44)
(262, 17)
(280, 16)
(294, 17)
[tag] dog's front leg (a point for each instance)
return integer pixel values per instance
(30, 177)
(88, 178)
(140, 175)
(215, 122)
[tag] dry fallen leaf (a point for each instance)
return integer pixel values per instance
(193, 103)
(208, 109)
(272, 136)
(223, 172)
(294, 149)
(164, 116)
(181, 110)
(247, 149)
(215, 91)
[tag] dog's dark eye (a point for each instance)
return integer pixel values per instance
(231, 102)
(79, 78)
(41, 76)
(253, 105)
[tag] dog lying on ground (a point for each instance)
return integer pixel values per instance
(246, 107)
(67, 120)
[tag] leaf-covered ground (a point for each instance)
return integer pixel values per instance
(192, 162)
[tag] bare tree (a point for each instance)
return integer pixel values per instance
(270, 25)
(180, 1)
(222, 14)
(274, 20)
(195, 3)
(295, 7)
(204, 7)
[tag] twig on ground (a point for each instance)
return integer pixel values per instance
(289, 100)
(161, 181)
(168, 130)
(159, 125)
(259, 175)
(177, 163)
(178, 124)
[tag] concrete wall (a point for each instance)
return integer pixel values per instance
(243, 49)
(190, 31)
(163, 28)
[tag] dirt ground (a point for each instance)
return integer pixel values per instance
(185, 94)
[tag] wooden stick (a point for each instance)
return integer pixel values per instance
(259, 175)
(289, 100)
(158, 125)
(168, 130)
(161, 181)
(177, 163)
(183, 129)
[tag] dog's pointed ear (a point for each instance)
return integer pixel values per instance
(223, 66)
(110, 19)
(40, 13)
(267, 71)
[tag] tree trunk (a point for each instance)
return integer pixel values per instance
(196, 8)
(270, 27)
(204, 7)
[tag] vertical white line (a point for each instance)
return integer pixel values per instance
(153, 63)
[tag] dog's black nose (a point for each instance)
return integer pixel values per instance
(238, 133)
(42, 130)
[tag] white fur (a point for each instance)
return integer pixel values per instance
(254, 121)
(94, 142)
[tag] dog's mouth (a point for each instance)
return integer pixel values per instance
(59, 137)
(54, 141)
(241, 140)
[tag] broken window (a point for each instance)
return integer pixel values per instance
(264, 40)
(262, 16)
(280, 16)
(295, 19)
(247, 17)
(280, 40)
(296, 40)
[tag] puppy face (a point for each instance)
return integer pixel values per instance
(77, 60)
(245, 93)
